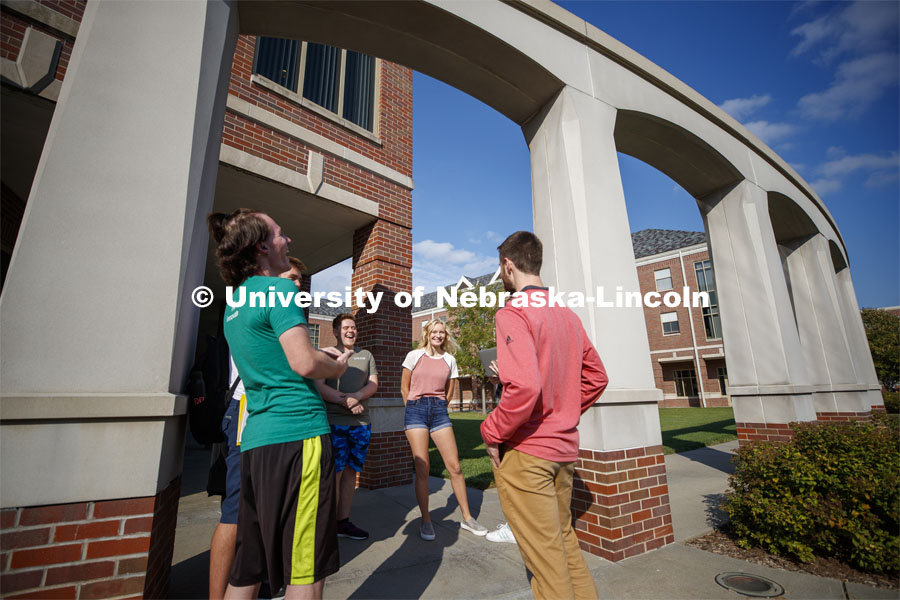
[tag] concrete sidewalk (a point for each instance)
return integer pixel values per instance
(395, 563)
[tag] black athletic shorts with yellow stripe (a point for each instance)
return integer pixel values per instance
(287, 532)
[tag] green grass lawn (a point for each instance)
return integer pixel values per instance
(682, 429)
(686, 429)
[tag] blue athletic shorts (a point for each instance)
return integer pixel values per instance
(427, 412)
(232, 464)
(350, 444)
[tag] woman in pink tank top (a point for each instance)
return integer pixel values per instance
(429, 379)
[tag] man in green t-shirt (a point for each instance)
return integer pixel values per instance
(348, 415)
(286, 515)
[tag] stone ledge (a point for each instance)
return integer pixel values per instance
(51, 407)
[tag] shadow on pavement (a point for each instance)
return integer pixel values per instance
(712, 457)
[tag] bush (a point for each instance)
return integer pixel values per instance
(833, 491)
(891, 402)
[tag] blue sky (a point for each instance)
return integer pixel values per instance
(816, 81)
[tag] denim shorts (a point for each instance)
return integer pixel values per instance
(427, 412)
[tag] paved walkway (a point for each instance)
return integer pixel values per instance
(395, 563)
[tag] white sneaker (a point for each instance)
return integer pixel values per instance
(502, 534)
(473, 526)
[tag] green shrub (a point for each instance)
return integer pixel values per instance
(891, 402)
(833, 491)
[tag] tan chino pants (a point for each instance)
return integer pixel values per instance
(536, 497)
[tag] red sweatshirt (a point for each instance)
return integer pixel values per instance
(551, 374)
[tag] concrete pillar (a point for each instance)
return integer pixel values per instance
(859, 343)
(621, 498)
(824, 338)
(382, 262)
(98, 325)
(767, 375)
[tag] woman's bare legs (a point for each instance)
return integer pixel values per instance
(418, 443)
(446, 445)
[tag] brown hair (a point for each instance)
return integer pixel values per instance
(296, 262)
(339, 320)
(236, 237)
(525, 251)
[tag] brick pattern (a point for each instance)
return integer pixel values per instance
(763, 432)
(389, 462)
(620, 501)
(845, 416)
(878, 408)
(89, 549)
(395, 110)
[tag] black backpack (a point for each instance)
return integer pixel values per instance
(208, 392)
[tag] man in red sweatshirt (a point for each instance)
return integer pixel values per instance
(551, 374)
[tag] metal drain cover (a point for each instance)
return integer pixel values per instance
(750, 585)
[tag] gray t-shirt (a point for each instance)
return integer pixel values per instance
(360, 366)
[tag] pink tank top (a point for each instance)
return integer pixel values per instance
(429, 378)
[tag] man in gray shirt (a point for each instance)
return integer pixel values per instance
(348, 416)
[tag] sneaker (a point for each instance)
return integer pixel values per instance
(502, 534)
(426, 530)
(346, 529)
(474, 526)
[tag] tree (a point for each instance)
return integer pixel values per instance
(474, 330)
(883, 332)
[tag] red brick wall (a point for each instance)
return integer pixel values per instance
(621, 502)
(90, 549)
(389, 461)
(395, 110)
(845, 416)
(763, 432)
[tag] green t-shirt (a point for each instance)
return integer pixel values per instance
(355, 378)
(282, 406)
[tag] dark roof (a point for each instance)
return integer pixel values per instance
(327, 311)
(648, 242)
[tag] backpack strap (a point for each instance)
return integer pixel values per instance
(230, 394)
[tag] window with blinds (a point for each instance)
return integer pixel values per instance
(340, 81)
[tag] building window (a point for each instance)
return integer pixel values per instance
(685, 383)
(723, 380)
(314, 334)
(670, 323)
(663, 279)
(707, 284)
(340, 81)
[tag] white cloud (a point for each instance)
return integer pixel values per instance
(771, 132)
(739, 108)
(866, 162)
(856, 85)
(857, 28)
(441, 263)
(441, 252)
(882, 169)
(824, 187)
(882, 178)
(333, 279)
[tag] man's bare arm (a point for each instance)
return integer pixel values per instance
(306, 360)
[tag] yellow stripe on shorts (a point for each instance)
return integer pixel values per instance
(303, 552)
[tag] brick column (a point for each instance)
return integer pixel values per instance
(620, 502)
(382, 262)
(90, 549)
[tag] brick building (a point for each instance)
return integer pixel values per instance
(684, 341)
(320, 138)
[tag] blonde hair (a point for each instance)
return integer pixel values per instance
(450, 346)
